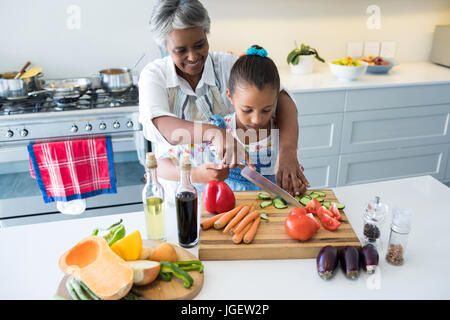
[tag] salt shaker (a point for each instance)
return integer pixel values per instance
(400, 228)
(375, 214)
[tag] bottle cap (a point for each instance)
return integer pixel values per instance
(185, 161)
(401, 219)
(150, 160)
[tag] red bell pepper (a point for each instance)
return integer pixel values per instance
(218, 197)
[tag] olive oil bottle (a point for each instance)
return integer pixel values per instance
(153, 200)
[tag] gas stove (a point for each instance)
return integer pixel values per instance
(92, 99)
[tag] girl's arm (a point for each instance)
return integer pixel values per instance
(168, 170)
(289, 175)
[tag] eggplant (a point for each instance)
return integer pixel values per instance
(327, 261)
(350, 262)
(369, 258)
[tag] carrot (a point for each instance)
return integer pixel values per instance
(241, 214)
(248, 218)
(237, 238)
(208, 223)
(250, 234)
(219, 224)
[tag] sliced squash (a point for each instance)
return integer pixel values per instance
(93, 262)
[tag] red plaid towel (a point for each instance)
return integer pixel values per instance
(73, 169)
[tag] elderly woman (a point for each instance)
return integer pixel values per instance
(179, 93)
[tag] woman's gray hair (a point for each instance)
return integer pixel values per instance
(169, 15)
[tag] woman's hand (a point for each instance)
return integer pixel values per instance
(290, 176)
(209, 171)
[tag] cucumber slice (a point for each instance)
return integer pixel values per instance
(305, 200)
(320, 199)
(264, 196)
(326, 204)
(320, 193)
(340, 206)
(297, 198)
(313, 195)
(279, 203)
(265, 204)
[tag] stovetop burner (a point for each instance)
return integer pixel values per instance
(92, 99)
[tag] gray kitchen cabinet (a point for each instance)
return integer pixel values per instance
(319, 135)
(322, 102)
(397, 97)
(321, 172)
(365, 135)
(373, 166)
(395, 128)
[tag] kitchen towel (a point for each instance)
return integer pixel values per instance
(73, 169)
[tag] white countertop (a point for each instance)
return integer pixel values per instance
(29, 254)
(411, 73)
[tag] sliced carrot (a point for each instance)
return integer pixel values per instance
(237, 218)
(248, 218)
(237, 237)
(250, 234)
(222, 222)
(208, 223)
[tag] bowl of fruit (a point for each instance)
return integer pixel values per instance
(348, 69)
(377, 64)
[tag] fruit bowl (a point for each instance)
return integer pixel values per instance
(348, 73)
(380, 68)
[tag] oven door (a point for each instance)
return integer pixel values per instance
(21, 201)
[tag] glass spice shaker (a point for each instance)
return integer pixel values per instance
(375, 214)
(400, 228)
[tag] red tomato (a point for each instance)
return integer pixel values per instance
(299, 227)
(313, 206)
(324, 210)
(298, 211)
(335, 211)
(327, 221)
(315, 221)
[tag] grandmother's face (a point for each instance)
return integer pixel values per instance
(189, 49)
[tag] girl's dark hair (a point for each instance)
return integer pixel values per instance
(254, 70)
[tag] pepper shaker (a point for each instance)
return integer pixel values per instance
(375, 214)
(400, 228)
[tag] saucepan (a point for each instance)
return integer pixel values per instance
(116, 80)
(18, 89)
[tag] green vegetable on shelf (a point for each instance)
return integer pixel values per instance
(114, 233)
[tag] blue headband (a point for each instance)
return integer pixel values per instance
(252, 51)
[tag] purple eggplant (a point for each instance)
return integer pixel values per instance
(369, 258)
(327, 261)
(349, 259)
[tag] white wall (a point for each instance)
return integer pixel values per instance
(116, 33)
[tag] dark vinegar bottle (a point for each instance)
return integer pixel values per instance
(186, 205)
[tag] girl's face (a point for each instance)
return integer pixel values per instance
(253, 107)
(188, 49)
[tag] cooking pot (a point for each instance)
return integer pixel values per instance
(116, 80)
(17, 89)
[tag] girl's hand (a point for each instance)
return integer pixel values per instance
(227, 148)
(209, 171)
(290, 176)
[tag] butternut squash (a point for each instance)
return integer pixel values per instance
(93, 262)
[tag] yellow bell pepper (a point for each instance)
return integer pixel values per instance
(130, 247)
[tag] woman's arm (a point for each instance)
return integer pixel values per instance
(289, 175)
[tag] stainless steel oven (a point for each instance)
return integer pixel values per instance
(21, 201)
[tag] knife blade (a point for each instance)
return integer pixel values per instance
(267, 185)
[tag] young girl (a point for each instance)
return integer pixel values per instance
(254, 85)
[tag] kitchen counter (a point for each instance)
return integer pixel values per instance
(410, 73)
(29, 254)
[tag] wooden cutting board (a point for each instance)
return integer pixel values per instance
(271, 240)
(159, 289)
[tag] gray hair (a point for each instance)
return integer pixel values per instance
(169, 15)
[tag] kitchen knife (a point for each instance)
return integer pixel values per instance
(267, 185)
